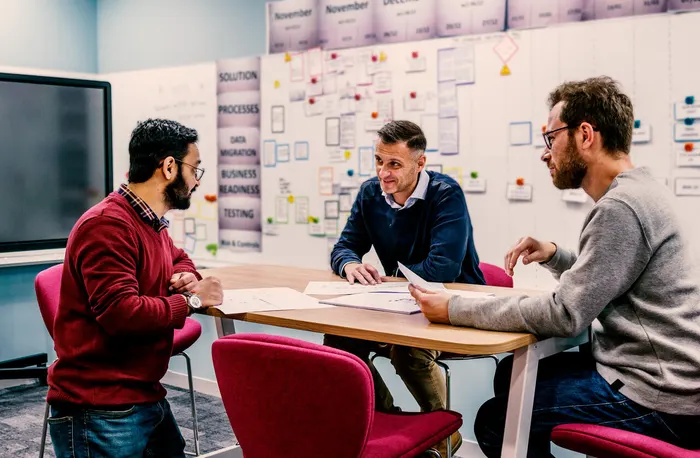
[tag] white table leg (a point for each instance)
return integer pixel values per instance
(520, 400)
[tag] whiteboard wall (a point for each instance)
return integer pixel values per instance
(502, 85)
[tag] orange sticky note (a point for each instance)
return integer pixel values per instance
(520, 181)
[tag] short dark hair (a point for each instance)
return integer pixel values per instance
(152, 141)
(600, 102)
(403, 131)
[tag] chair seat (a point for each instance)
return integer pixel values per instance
(408, 435)
(603, 442)
(185, 337)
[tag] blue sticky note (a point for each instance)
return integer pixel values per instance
(689, 100)
(689, 121)
(637, 124)
(351, 172)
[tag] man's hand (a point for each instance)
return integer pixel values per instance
(363, 273)
(433, 304)
(210, 292)
(531, 250)
(183, 282)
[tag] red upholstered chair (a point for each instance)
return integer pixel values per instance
(605, 442)
(47, 285)
(495, 276)
(291, 398)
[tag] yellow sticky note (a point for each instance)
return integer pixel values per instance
(505, 71)
(287, 57)
(277, 84)
(347, 154)
(382, 56)
(290, 199)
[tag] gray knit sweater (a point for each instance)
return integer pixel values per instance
(635, 282)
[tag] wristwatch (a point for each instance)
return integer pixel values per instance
(193, 302)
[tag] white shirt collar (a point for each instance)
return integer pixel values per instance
(418, 193)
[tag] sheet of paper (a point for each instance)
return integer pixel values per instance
(347, 131)
(297, 94)
(325, 181)
(314, 109)
(332, 131)
(269, 153)
(266, 300)
(330, 227)
(201, 232)
(446, 65)
(366, 154)
(330, 84)
(277, 119)
(283, 152)
(348, 105)
(382, 82)
(413, 278)
(301, 210)
(447, 99)
(314, 89)
(281, 210)
(337, 288)
(314, 59)
(449, 136)
(415, 65)
(336, 155)
(470, 294)
(296, 67)
(345, 202)
(331, 209)
(301, 151)
(383, 302)
(190, 244)
(414, 101)
(430, 125)
(519, 193)
(465, 69)
(190, 226)
(385, 107)
(520, 133)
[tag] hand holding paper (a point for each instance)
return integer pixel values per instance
(413, 278)
(433, 304)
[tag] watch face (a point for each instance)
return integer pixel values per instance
(195, 302)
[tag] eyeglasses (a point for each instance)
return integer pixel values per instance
(548, 141)
(198, 173)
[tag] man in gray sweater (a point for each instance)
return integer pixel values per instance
(633, 282)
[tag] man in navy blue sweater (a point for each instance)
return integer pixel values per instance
(420, 219)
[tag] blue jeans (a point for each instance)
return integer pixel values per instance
(147, 430)
(570, 390)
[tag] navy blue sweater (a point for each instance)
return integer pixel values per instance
(433, 237)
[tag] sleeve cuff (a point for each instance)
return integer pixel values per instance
(178, 310)
(560, 262)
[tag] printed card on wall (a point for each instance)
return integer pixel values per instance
(397, 21)
(239, 158)
(293, 25)
(344, 24)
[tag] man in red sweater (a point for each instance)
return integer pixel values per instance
(125, 288)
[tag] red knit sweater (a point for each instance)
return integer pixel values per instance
(113, 332)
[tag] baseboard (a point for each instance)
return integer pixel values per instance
(469, 449)
(201, 385)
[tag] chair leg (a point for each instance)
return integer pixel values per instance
(195, 427)
(448, 401)
(43, 431)
(432, 452)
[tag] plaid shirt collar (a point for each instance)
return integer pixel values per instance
(147, 215)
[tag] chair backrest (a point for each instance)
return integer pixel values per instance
(495, 276)
(291, 398)
(47, 285)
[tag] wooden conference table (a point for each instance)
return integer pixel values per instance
(411, 330)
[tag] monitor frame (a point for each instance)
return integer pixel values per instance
(48, 244)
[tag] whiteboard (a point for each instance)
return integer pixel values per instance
(317, 161)
(187, 95)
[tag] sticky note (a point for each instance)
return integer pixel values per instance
(290, 199)
(689, 121)
(277, 84)
(474, 175)
(382, 56)
(688, 147)
(505, 71)
(347, 154)
(520, 181)
(689, 100)
(637, 124)
(287, 57)
(351, 172)
(415, 54)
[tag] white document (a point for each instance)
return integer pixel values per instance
(464, 64)
(429, 124)
(332, 131)
(301, 210)
(415, 65)
(330, 84)
(301, 151)
(345, 202)
(277, 119)
(269, 153)
(470, 294)
(447, 99)
(366, 160)
(281, 210)
(337, 288)
(384, 302)
(446, 65)
(520, 133)
(314, 60)
(382, 82)
(413, 278)
(266, 300)
(449, 135)
(283, 153)
(347, 131)
(296, 68)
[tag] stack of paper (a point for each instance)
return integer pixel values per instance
(337, 288)
(384, 302)
(265, 300)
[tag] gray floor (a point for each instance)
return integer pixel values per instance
(22, 413)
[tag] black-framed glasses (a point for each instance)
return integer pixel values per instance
(198, 173)
(547, 140)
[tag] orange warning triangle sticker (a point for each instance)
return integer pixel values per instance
(505, 71)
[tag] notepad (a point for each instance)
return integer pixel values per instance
(384, 302)
(337, 288)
